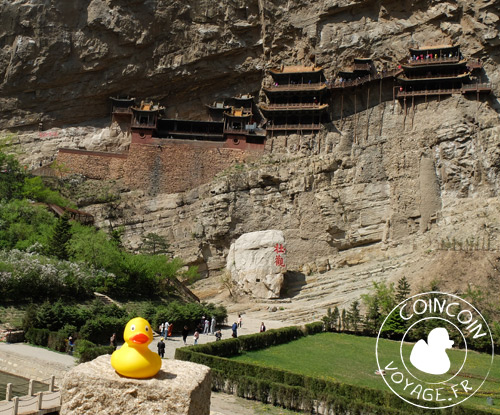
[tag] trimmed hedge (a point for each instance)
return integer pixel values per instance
(293, 390)
(46, 338)
(87, 351)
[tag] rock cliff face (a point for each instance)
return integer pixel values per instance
(60, 60)
(404, 176)
(383, 177)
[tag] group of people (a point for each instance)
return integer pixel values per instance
(205, 326)
(166, 329)
(422, 57)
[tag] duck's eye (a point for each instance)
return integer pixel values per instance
(132, 327)
(147, 328)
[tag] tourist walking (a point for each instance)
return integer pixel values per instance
(161, 348)
(170, 329)
(234, 327)
(160, 329)
(240, 321)
(207, 327)
(165, 328)
(262, 327)
(212, 325)
(71, 345)
(196, 337)
(218, 335)
(185, 332)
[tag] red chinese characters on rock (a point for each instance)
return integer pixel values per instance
(279, 260)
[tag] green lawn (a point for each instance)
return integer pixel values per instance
(351, 359)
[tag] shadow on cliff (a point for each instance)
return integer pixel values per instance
(294, 281)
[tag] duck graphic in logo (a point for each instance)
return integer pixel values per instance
(431, 357)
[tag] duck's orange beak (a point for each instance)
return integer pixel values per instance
(139, 338)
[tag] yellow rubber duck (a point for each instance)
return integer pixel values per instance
(134, 359)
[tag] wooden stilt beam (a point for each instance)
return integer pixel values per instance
(355, 112)
(367, 115)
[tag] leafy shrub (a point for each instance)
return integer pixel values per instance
(86, 351)
(314, 328)
(57, 341)
(99, 329)
(38, 337)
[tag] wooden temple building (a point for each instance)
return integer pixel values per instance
(121, 109)
(439, 70)
(234, 126)
(300, 99)
(297, 99)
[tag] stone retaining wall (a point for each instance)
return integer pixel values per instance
(30, 368)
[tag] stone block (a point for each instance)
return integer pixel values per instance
(95, 388)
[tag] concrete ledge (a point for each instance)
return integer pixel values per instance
(95, 388)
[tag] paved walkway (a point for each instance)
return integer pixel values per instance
(38, 353)
(249, 326)
(221, 404)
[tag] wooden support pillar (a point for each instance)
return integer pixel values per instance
(8, 392)
(16, 405)
(30, 388)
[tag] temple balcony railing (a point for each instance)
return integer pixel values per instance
(144, 125)
(365, 79)
(466, 88)
(293, 106)
(481, 87)
(362, 67)
(434, 76)
(293, 127)
(122, 110)
(477, 64)
(297, 87)
(427, 61)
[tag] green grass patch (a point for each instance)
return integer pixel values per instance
(351, 359)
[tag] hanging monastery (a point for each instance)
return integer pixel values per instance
(170, 155)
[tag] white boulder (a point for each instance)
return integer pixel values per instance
(257, 263)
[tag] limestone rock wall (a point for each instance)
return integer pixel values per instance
(393, 182)
(61, 60)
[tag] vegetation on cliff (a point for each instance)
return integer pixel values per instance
(44, 258)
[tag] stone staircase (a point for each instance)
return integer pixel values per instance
(106, 300)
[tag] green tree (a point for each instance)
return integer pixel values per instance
(154, 244)
(95, 248)
(394, 326)
(354, 315)
(34, 189)
(330, 320)
(58, 244)
(346, 323)
(403, 289)
(11, 177)
(372, 316)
